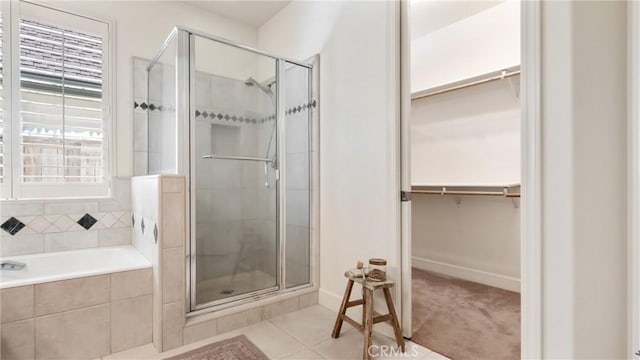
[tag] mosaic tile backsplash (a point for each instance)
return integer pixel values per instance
(47, 224)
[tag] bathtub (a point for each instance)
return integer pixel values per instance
(55, 266)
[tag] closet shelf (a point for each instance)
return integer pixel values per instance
(507, 191)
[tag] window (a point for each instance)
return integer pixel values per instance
(2, 97)
(55, 141)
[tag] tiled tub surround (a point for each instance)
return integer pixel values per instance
(59, 225)
(81, 318)
(159, 232)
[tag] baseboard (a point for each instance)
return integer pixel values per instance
(329, 299)
(461, 272)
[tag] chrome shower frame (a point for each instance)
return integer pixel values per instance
(185, 109)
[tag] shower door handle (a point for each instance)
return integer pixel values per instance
(222, 157)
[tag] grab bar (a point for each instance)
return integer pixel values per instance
(222, 157)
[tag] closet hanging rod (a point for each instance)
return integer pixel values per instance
(503, 75)
(444, 191)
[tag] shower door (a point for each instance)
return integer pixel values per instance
(234, 142)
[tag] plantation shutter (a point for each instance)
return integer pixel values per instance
(62, 127)
(2, 172)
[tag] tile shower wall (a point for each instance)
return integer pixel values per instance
(235, 210)
(230, 119)
(37, 226)
(238, 122)
(299, 167)
(162, 135)
(140, 109)
(236, 202)
(154, 152)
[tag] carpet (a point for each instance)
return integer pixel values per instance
(236, 348)
(465, 320)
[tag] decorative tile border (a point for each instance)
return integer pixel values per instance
(220, 116)
(301, 108)
(46, 224)
(152, 107)
(213, 115)
(12, 226)
(87, 221)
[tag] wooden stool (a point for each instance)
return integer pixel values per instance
(369, 316)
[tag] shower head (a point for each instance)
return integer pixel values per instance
(252, 82)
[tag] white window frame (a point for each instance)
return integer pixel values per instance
(5, 8)
(13, 187)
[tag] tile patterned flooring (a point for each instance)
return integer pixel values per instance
(301, 335)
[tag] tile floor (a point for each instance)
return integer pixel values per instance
(302, 335)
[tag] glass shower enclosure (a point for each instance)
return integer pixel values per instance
(237, 122)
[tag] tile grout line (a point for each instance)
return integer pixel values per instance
(293, 335)
(110, 315)
(211, 339)
(34, 320)
(289, 334)
(35, 315)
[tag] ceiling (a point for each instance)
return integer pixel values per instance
(430, 15)
(251, 12)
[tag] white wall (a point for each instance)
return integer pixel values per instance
(430, 15)
(467, 137)
(584, 84)
(480, 44)
(141, 27)
(475, 238)
(357, 104)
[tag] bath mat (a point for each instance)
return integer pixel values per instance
(236, 348)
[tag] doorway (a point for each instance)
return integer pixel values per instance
(466, 168)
